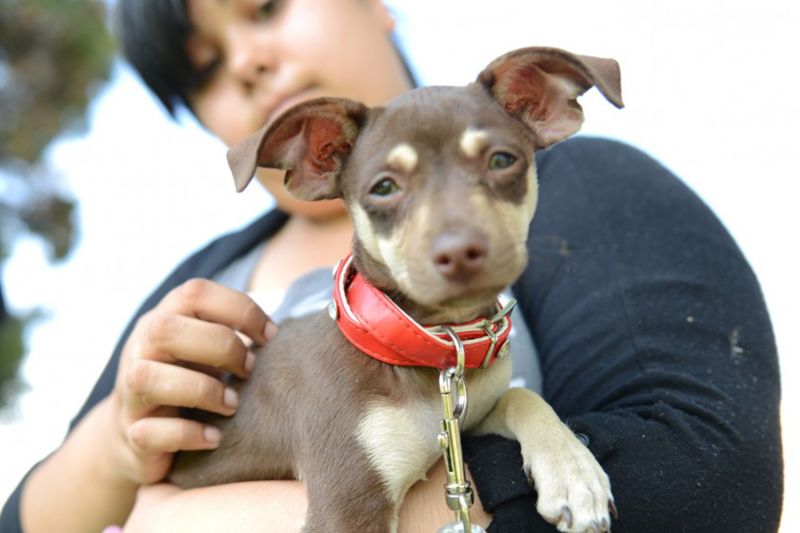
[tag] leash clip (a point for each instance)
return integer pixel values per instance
(458, 490)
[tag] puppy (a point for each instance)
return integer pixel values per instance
(441, 187)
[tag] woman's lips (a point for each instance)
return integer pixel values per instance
(284, 103)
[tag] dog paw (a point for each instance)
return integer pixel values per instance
(574, 491)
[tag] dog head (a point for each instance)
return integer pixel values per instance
(441, 182)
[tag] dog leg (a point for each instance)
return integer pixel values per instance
(349, 498)
(574, 491)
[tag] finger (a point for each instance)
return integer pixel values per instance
(213, 302)
(172, 338)
(153, 383)
(150, 436)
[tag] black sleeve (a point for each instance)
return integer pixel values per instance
(654, 343)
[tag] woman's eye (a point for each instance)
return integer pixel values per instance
(501, 160)
(204, 74)
(267, 10)
(384, 187)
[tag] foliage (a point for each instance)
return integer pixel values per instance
(54, 55)
(11, 335)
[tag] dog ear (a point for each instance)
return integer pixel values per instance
(310, 141)
(540, 86)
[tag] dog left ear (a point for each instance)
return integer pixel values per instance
(540, 86)
(310, 141)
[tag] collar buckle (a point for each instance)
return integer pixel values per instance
(494, 322)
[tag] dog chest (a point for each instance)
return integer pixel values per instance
(400, 440)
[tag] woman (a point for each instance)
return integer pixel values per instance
(650, 331)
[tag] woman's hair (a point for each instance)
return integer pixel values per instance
(152, 36)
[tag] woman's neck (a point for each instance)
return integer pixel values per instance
(302, 245)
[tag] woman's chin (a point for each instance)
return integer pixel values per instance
(320, 210)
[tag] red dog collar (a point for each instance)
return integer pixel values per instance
(374, 324)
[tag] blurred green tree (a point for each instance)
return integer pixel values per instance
(54, 55)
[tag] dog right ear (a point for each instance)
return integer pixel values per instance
(310, 141)
(540, 87)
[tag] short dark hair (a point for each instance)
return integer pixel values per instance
(152, 36)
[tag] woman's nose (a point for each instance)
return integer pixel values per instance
(248, 56)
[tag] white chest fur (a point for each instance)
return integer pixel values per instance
(401, 438)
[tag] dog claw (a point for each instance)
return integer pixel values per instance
(604, 526)
(612, 508)
(566, 516)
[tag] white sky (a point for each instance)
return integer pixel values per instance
(709, 89)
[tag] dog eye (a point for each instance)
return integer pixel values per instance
(501, 160)
(384, 187)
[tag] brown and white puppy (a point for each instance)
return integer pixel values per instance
(441, 186)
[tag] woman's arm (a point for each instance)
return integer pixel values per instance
(79, 487)
(89, 443)
(654, 343)
(240, 507)
(281, 504)
(170, 360)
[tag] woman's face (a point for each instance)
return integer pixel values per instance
(262, 57)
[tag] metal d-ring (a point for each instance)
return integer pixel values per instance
(455, 376)
(454, 392)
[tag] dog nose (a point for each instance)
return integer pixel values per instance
(459, 255)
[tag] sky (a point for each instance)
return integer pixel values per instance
(709, 92)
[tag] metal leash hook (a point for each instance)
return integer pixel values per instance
(457, 489)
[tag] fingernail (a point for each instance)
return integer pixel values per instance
(612, 508)
(249, 361)
(566, 516)
(270, 330)
(231, 398)
(212, 435)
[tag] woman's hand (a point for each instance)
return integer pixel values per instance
(175, 357)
